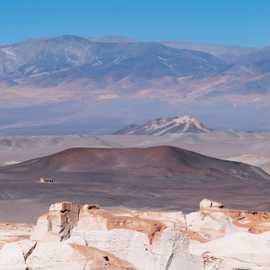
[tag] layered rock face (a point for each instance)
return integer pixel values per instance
(86, 237)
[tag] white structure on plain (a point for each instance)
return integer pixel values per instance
(45, 180)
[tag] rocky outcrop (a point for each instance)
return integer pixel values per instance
(228, 239)
(148, 240)
(57, 223)
(87, 237)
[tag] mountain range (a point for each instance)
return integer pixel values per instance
(53, 61)
(67, 81)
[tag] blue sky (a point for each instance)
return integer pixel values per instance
(240, 22)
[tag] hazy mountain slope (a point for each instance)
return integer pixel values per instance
(110, 80)
(266, 167)
(256, 62)
(112, 38)
(227, 53)
(71, 58)
(250, 74)
(256, 160)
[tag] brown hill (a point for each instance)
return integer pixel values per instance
(152, 161)
(159, 177)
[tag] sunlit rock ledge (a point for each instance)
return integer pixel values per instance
(86, 237)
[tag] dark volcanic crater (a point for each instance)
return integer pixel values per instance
(157, 177)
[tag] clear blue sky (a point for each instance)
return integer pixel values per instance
(242, 22)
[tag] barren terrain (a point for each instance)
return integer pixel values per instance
(150, 178)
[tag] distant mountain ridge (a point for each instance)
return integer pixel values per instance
(110, 59)
(55, 60)
(229, 54)
(165, 126)
(94, 77)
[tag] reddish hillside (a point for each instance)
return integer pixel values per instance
(152, 161)
(156, 177)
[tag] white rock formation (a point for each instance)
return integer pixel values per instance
(148, 240)
(239, 250)
(61, 255)
(55, 255)
(87, 237)
(229, 239)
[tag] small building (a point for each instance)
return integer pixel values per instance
(46, 180)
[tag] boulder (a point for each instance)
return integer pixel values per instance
(206, 204)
